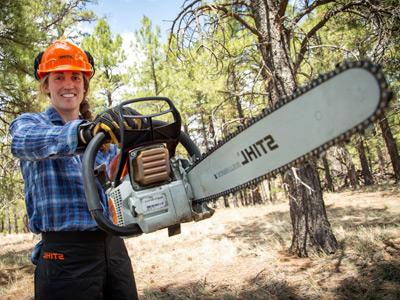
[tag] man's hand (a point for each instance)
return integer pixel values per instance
(107, 122)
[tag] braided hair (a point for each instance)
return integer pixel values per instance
(84, 107)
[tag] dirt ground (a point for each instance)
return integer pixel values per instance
(241, 253)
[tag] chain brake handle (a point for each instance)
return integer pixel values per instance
(153, 132)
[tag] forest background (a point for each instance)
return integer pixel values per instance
(222, 64)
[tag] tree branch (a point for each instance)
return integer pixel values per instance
(319, 25)
(282, 8)
(195, 10)
(336, 47)
(308, 9)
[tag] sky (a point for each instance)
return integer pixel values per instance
(124, 16)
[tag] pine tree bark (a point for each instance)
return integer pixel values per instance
(381, 159)
(351, 170)
(235, 200)
(255, 195)
(109, 98)
(271, 191)
(26, 223)
(263, 192)
(9, 220)
(329, 181)
(240, 194)
(226, 201)
(245, 196)
(391, 147)
(365, 170)
(311, 228)
(238, 104)
(211, 130)
(16, 229)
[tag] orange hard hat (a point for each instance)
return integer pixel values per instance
(63, 56)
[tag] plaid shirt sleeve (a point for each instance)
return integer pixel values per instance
(51, 168)
(34, 140)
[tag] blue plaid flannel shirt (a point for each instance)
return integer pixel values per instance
(54, 192)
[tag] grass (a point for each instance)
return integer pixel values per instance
(241, 253)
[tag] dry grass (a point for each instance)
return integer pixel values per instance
(241, 254)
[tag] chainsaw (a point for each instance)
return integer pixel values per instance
(149, 187)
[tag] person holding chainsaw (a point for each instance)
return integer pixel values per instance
(74, 259)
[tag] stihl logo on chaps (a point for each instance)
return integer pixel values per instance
(258, 149)
(53, 256)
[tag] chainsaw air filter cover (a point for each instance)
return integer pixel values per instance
(150, 165)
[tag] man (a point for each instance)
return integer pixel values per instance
(75, 259)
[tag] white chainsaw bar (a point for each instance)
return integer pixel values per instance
(325, 112)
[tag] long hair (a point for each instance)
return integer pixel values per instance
(84, 107)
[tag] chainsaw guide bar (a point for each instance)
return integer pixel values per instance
(330, 110)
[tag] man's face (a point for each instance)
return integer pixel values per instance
(66, 91)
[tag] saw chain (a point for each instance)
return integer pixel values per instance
(385, 96)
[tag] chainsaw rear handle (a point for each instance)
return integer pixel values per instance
(92, 194)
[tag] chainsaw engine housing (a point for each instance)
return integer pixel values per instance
(146, 183)
(155, 194)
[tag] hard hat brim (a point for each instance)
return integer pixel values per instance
(88, 72)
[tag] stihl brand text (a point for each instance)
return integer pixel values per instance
(258, 149)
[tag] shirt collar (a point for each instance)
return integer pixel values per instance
(54, 116)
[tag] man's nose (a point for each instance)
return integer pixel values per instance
(68, 82)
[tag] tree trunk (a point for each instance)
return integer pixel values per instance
(328, 178)
(365, 170)
(109, 99)
(381, 159)
(236, 88)
(226, 201)
(245, 197)
(211, 130)
(154, 75)
(240, 194)
(263, 192)
(351, 170)
(185, 128)
(203, 125)
(271, 191)
(26, 223)
(16, 229)
(273, 44)
(311, 228)
(9, 220)
(255, 195)
(278, 71)
(235, 200)
(391, 146)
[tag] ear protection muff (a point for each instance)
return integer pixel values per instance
(91, 61)
(39, 58)
(36, 65)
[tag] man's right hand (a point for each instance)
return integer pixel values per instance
(107, 122)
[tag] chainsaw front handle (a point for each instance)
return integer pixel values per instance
(92, 193)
